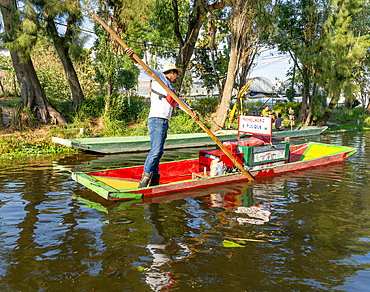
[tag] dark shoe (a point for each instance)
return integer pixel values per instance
(144, 180)
(155, 179)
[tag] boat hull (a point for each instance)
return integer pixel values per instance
(121, 184)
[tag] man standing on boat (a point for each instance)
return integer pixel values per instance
(161, 108)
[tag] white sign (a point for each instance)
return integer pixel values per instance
(255, 125)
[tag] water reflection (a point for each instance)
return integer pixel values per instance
(313, 232)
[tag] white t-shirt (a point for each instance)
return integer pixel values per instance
(159, 106)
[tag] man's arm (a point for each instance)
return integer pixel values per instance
(129, 52)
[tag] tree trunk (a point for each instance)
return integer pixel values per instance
(223, 109)
(2, 87)
(368, 109)
(328, 111)
(62, 46)
(213, 32)
(196, 20)
(235, 49)
(32, 94)
(310, 112)
(109, 94)
(302, 113)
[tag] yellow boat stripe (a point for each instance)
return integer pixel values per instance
(118, 184)
(316, 151)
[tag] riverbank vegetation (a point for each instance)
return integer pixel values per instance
(37, 141)
(53, 78)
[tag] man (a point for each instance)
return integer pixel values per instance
(278, 122)
(161, 108)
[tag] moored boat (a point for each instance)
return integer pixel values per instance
(111, 145)
(176, 176)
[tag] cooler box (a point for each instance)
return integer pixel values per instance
(254, 155)
(206, 157)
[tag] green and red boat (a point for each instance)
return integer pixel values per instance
(190, 174)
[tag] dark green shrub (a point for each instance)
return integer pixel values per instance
(283, 108)
(93, 107)
(138, 110)
(205, 104)
(65, 108)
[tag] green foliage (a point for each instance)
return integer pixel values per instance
(181, 123)
(114, 128)
(19, 145)
(205, 104)
(187, 83)
(113, 72)
(163, 21)
(283, 108)
(65, 108)
(8, 75)
(320, 36)
(92, 107)
(290, 93)
(138, 109)
(127, 79)
(343, 116)
(15, 102)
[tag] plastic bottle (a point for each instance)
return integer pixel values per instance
(214, 167)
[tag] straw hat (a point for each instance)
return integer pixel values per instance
(169, 67)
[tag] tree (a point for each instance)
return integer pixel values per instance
(183, 22)
(299, 29)
(344, 54)
(52, 11)
(33, 96)
(113, 71)
(243, 47)
(318, 36)
(364, 92)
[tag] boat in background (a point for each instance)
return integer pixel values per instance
(192, 174)
(112, 145)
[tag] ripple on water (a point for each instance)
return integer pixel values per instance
(316, 237)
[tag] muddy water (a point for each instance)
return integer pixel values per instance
(302, 231)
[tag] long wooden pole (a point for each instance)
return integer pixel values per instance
(174, 96)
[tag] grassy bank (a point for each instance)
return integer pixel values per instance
(37, 141)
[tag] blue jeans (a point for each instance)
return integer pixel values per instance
(158, 133)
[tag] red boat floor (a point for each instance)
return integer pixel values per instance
(176, 171)
(128, 178)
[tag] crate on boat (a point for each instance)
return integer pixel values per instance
(206, 157)
(254, 155)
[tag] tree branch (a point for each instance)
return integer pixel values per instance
(177, 25)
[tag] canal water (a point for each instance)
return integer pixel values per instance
(302, 231)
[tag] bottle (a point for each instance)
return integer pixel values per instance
(214, 167)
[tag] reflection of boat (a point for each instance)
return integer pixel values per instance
(122, 183)
(109, 145)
